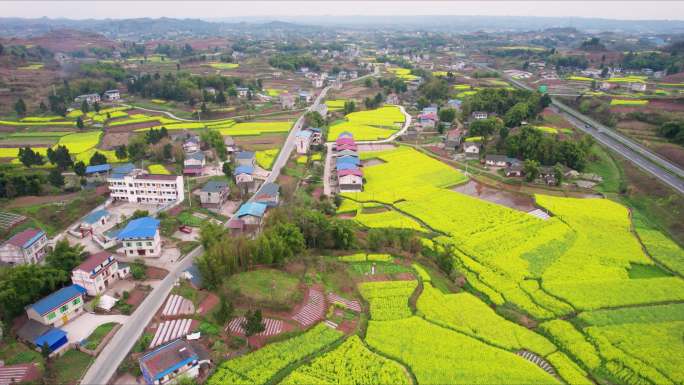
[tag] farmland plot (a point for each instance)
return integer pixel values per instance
(369, 125)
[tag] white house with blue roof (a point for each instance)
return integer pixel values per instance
(59, 307)
(96, 220)
(141, 238)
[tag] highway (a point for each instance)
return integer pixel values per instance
(660, 168)
(109, 359)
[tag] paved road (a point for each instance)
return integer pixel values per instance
(105, 365)
(664, 170)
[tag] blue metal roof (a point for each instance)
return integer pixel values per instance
(245, 155)
(243, 170)
(345, 134)
(95, 216)
(52, 337)
(33, 239)
(346, 166)
(124, 168)
(251, 208)
(99, 168)
(57, 299)
(145, 227)
(214, 186)
(348, 159)
(304, 134)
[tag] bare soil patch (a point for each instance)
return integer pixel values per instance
(155, 272)
(111, 140)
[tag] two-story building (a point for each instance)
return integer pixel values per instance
(251, 213)
(141, 238)
(59, 307)
(303, 141)
(137, 186)
(169, 362)
(112, 95)
(214, 194)
(28, 246)
(97, 272)
(287, 101)
(88, 98)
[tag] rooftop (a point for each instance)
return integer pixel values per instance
(269, 189)
(156, 177)
(94, 261)
(95, 216)
(57, 299)
(99, 168)
(214, 186)
(304, 134)
(245, 155)
(251, 208)
(26, 238)
(145, 227)
(243, 170)
(168, 358)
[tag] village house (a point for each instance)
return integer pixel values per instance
(244, 178)
(96, 220)
(316, 135)
(303, 141)
(229, 142)
(392, 99)
(455, 104)
(453, 139)
(245, 158)
(59, 307)
(317, 82)
(193, 170)
(112, 95)
(242, 92)
(353, 74)
(28, 246)
(169, 362)
(141, 238)
(139, 187)
(195, 159)
(88, 98)
(496, 160)
(638, 87)
(427, 121)
(471, 149)
(192, 144)
(305, 96)
(514, 170)
(287, 101)
(251, 213)
(268, 194)
(350, 180)
(214, 194)
(97, 172)
(97, 272)
(479, 115)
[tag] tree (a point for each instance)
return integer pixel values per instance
(485, 127)
(167, 151)
(531, 169)
(20, 107)
(224, 311)
(45, 351)
(55, 178)
(314, 119)
(97, 159)
(79, 168)
(120, 152)
(447, 115)
(227, 169)
(65, 257)
(516, 114)
(368, 83)
(42, 108)
(28, 157)
(349, 107)
(79, 122)
(558, 174)
(96, 107)
(85, 107)
(434, 89)
(221, 98)
(61, 158)
(253, 323)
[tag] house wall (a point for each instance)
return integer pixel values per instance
(147, 190)
(17, 256)
(213, 198)
(96, 285)
(150, 247)
(302, 145)
(59, 315)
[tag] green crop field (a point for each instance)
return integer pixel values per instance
(265, 158)
(369, 125)
(628, 102)
(32, 67)
(224, 66)
(403, 73)
(253, 128)
(388, 299)
(335, 105)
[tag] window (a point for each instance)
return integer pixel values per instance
(51, 316)
(76, 301)
(149, 243)
(64, 308)
(138, 244)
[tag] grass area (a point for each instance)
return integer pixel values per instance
(628, 102)
(55, 217)
(70, 366)
(100, 332)
(13, 352)
(603, 164)
(265, 287)
(639, 271)
(158, 169)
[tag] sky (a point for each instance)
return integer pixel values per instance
(625, 10)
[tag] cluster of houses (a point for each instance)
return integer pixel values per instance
(109, 95)
(91, 278)
(323, 79)
(347, 164)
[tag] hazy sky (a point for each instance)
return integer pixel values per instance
(672, 10)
